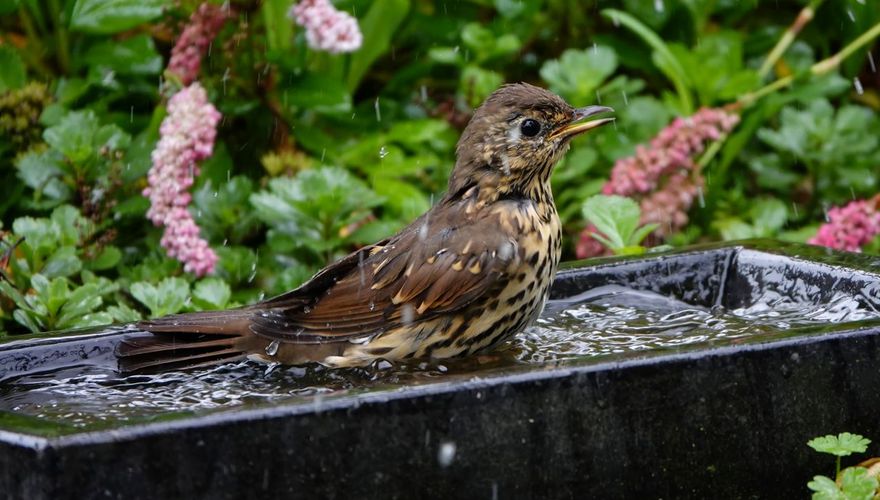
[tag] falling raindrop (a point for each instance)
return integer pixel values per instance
(272, 348)
(424, 93)
(658, 5)
(625, 98)
(226, 76)
(871, 62)
(598, 98)
(446, 453)
(378, 112)
(383, 152)
(131, 116)
(858, 85)
(852, 17)
(795, 208)
(700, 197)
(361, 268)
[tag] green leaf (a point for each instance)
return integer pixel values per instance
(73, 135)
(616, 217)
(64, 262)
(13, 75)
(577, 74)
(662, 55)
(377, 27)
(121, 313)
(842, 445)
(857, 484)
(211, 294)
(317, 92)
(136, 55)
(825, 489)
(168, 297)
(113, 16)
(109, 257)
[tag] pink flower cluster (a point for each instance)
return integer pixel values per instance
(850, 227)
(663, 176)
(186, 56)
(327, 29)
(187, 137)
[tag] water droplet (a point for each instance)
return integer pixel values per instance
(446, 453)
(858, 86)
(271, 368)
(307, 309)
(372, 306)
(407, 314)
(852, 17)
(383, 152)
(658, 6)
(378, 112)
(272, 348)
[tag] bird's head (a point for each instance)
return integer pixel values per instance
(516, 137)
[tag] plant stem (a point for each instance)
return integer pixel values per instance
(820, 68)
(803, 18)
(63, 42)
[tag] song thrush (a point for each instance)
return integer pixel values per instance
(465, 276)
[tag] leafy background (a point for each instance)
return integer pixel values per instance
(320, 153)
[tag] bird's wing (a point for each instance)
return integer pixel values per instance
(409, 278)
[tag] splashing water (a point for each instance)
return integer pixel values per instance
(606, 321)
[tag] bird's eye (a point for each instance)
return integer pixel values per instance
(530, 128)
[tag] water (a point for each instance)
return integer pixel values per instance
(607, 321)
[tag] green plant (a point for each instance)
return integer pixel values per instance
(617, 223)
(854, 482)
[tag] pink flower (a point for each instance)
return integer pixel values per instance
(850, 227)
(663, 176)
(327, 29)
(193, 43)
(187, 137)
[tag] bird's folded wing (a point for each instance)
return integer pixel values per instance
(408, 279)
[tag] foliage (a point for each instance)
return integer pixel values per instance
(854, 483)
(616, 219)
(319, 153)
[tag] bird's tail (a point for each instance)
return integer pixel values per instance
(188, 340)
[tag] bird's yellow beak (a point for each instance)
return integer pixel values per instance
(578, 127)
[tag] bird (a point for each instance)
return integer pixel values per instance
(461, 279)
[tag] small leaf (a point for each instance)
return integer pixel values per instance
(211, 294)
(825, 489)
(64, 262)
(857, 484)
(109, 257)
(73, 135)
(113, 16)
(136, 55)
(616, 217)
(121, 313)
(842, 445)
